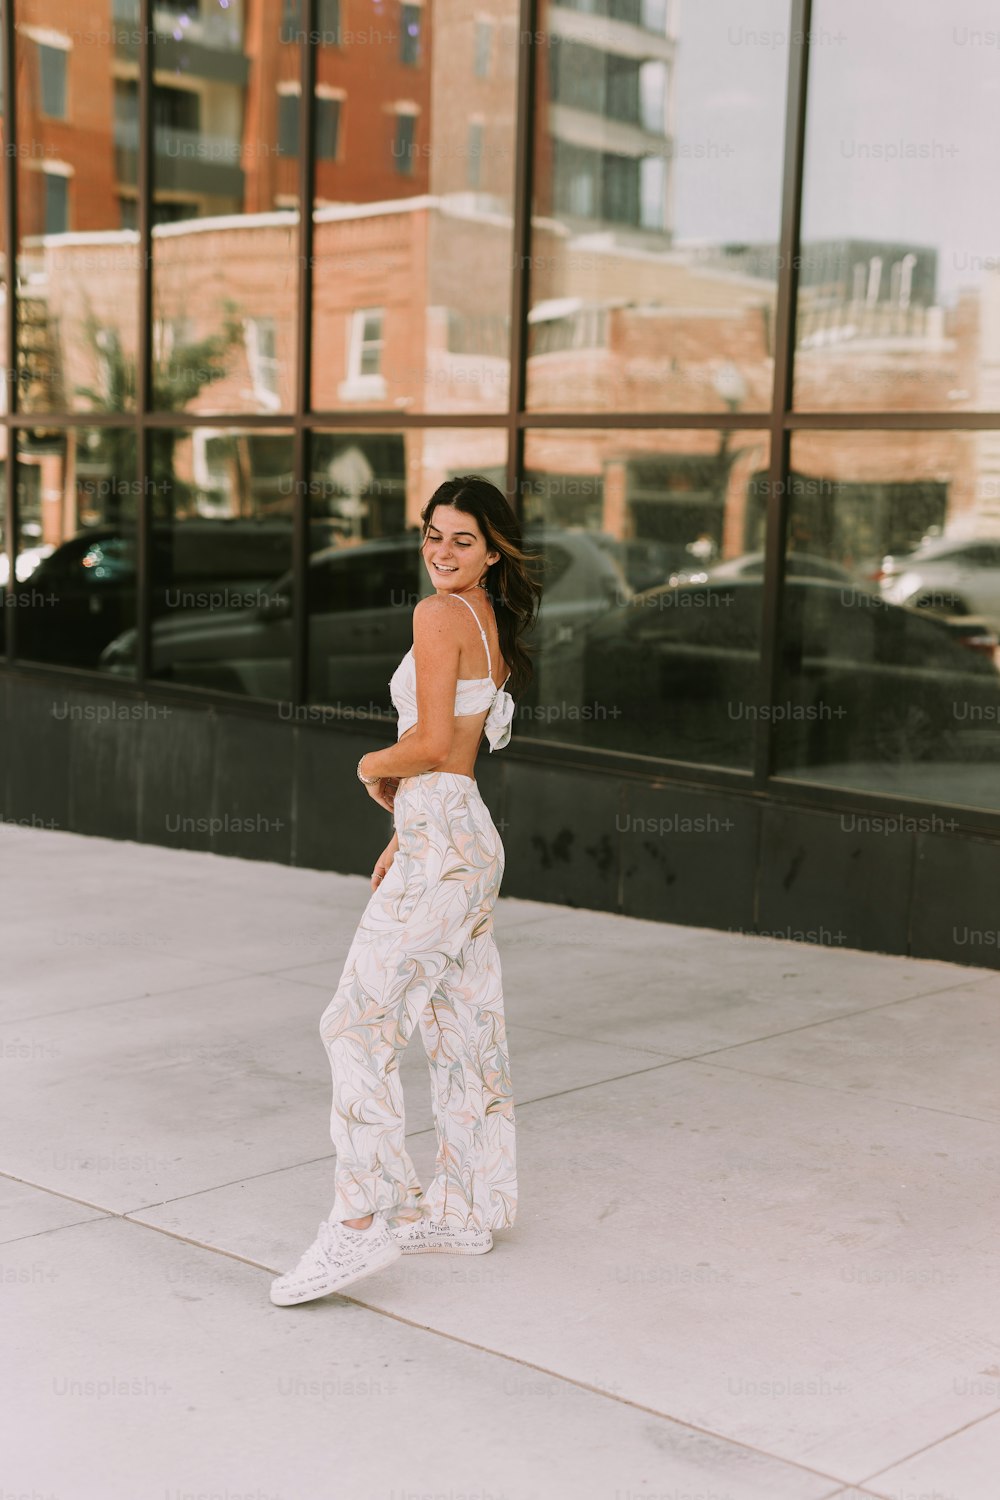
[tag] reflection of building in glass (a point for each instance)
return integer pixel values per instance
(652, 273)
(605, 155)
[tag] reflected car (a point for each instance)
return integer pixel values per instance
(360, 603)
(946, 577)
(861, 680)
(751, 565)
(89, 582)
(645, 562)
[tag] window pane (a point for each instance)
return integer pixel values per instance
(288, 124)
(367, 490)
(221, 560)
(890, 677)
(409, 39)
(649, 628)
(408, 218)
(483, 48)
(402, 147)
(56, 203)
(900, 226)
(225, 204)
(657, 196)
(76, 561)
(52, 68)
(77, 265)
(327, 121)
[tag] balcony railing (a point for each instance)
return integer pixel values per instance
(183, 145)
(215, 29)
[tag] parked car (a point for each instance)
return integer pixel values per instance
(751, 565)
(87, 586)
(946, 576)
(860, 680)
(645, 562)
(360, 604)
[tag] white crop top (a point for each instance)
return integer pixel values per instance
(472, 695)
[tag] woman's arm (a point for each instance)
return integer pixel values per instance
(436, 652)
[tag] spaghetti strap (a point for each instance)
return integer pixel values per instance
(482, 632)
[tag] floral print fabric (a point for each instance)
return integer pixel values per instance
(424, 954)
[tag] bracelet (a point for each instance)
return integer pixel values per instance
(368, 780)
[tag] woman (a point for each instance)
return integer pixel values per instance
(424, 952)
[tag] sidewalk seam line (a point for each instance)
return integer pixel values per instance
(928, 1447)
(180, 989)
(812, 1083)
(509, 1358)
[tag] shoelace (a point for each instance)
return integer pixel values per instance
(326, 1238)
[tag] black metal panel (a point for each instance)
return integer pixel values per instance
(337, 825)
(834, 880)
(7, 707)
(688, 856)
(38, 734)
(105, 744)
(175, 770)
(956, 900)
(252, 789)
(558, 830)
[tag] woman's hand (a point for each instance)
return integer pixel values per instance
(383, 791)
(384, 861)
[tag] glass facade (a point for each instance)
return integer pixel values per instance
(706, 290)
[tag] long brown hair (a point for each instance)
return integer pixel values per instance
(513, 590)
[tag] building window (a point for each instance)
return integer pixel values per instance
(409, 35)
(56, 203)
(608, 84)
(365, 341)
(653, 97)
(576, 175)
(402, 146)
(288, 124)
(652, 192)
(329, 23)
(327, 19)
(176, 117)
(620, 189)
(126, 105)
(326, 128)
(262, 357)
(128, 213)
(474, 162)
(483, 49)
(52, 68)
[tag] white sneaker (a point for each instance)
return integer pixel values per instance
(425, 1236)
(337, 1257)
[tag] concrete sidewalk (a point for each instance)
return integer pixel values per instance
(756, 1256)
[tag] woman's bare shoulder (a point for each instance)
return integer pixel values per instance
(436, 618)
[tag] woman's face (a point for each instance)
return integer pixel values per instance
(455, 552)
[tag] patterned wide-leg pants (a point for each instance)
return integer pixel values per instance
(424, 954)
